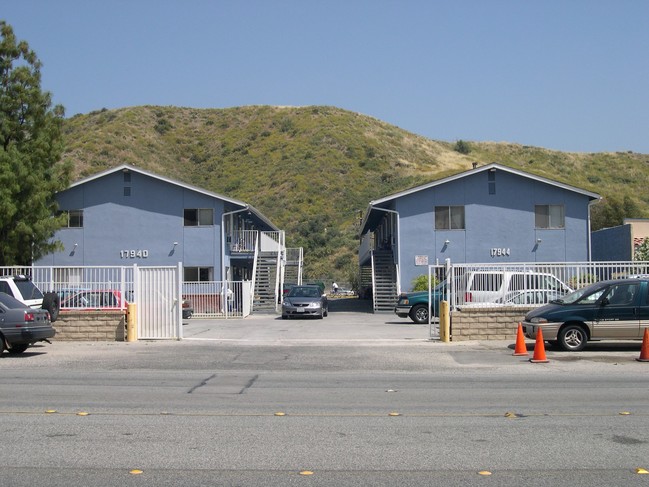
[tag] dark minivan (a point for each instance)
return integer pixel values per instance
(607, 310)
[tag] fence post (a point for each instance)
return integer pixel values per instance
(131, 322)
(444, 322)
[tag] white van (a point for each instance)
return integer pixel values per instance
(496, 286)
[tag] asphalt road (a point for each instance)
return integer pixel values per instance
(354, 399)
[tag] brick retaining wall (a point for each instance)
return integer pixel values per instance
(94, 326)
(486, 323)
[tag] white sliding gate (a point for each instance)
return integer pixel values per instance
(158, 297)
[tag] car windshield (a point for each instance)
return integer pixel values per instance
(304, 292)
(585, 295)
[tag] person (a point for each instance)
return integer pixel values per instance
(334, 288)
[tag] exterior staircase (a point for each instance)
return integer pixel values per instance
(265, 299)
(385, 281)
(293, 266)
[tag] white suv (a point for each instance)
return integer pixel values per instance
(497, 286)
(23, 289)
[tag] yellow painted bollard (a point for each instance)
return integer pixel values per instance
(131, 322)
(444, 322)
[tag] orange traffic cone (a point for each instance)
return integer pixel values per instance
(644, 351)
(521, 347)
(539, 349)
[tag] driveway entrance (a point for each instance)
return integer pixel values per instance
(350, 321)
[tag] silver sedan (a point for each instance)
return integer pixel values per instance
(305, 301)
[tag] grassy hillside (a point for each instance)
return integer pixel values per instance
(311, 170)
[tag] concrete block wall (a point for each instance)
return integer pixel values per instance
(97, 326)
(486, 323)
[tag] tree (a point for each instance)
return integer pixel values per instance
(612, 211)
(31, 171)
(462, 147)
(420, 283)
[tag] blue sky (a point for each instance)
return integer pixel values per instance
(570, 75)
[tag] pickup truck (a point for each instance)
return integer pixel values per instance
(414, 305)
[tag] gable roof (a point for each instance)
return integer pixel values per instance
(129, 168)
(382, 203)
(488, 167)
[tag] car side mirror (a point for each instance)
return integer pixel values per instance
(605, 302)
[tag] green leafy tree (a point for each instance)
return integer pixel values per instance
(462, 147)
(612, 211)
(30, 153)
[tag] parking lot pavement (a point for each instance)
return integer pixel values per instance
(349, 320)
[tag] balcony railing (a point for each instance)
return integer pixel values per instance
(243, 241)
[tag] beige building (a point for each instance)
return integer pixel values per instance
(619, 243)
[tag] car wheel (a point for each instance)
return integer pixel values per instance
(19, 348)
(419, 314)
(52, 303)
(573, 338)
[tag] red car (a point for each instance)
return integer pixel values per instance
(95, 300)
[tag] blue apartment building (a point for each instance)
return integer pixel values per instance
(489, 214)
(126, 215)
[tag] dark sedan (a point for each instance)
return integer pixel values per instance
(305, 301)
(21, 326)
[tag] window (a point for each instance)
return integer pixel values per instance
(75, 218)
(549, 216)
(449, 218)
(127, 191)
(198, 274)
(487, 282)
(199, 217)
(491, 177)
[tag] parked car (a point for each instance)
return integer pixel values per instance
(24, 290)
(188, 309)
(95, 300)
(530, 297)
(492, 286)
(479, 288)
(345, 292)
(415, 305)
(308, 300)
(21, 325)
(607, 310)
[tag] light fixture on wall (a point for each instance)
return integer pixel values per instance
(446, 242)
(538, 241)
(75, 245)
(173, 249)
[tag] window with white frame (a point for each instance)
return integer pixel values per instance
(549, 216)
(449, 218)
(199, 217)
